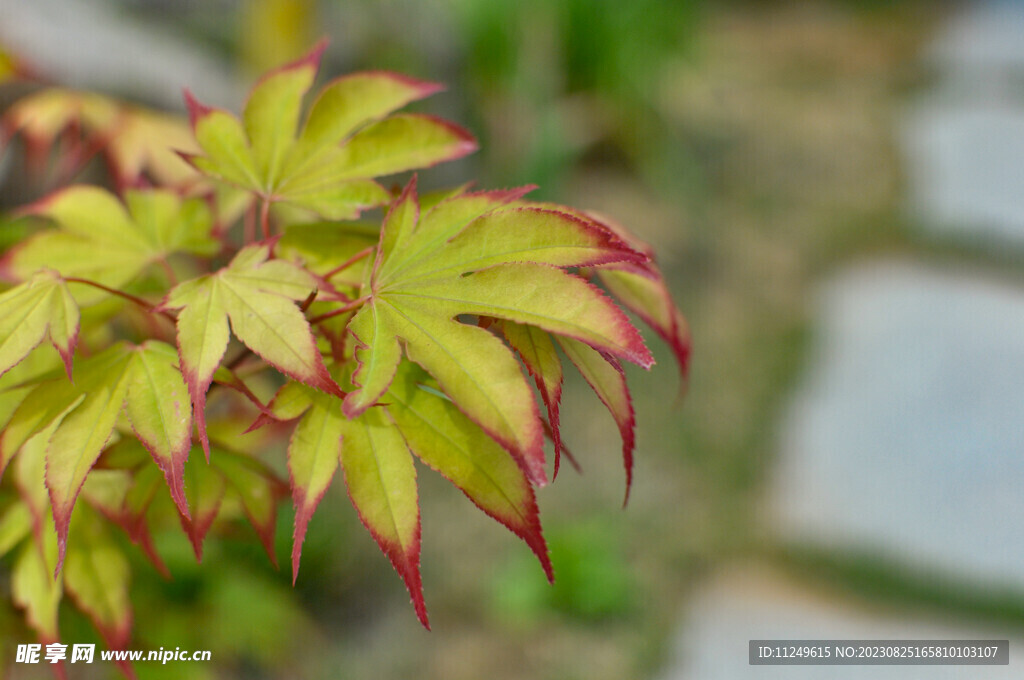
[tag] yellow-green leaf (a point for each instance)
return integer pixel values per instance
(160, 412)
(604, 373)
(313, 455)
(81, 436)
(105, 241)
(381, 481)
(453, 445)
(34, 589)
(324, 168)
(537, 352)
(40, 307)
(459, 268)
(258, 296)
(97, 576)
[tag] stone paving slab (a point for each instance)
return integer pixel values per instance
(753, 603)
(907, 437)
(985, 38)
(966, 166)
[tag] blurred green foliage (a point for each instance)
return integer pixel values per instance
(574, 75)
(593, 582)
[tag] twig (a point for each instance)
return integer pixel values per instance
(340, 310)
(349, 262)
(127, 296)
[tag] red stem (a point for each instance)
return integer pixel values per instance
(265, 218)
(171, 276)
(120, 293)
(340, 310)
(349, 262)
(249, 225)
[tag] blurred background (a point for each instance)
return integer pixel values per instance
(835, 190)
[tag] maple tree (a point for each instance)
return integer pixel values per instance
(380, 344)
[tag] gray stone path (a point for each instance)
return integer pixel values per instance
(755, 604)
(905, 439)
(965, 141)
(967, 170)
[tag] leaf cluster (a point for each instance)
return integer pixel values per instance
(224, 287)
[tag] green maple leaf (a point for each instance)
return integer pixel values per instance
(378, 471)
(136, 142)
(605, 375)
(642, 289)
(639, 286)
(40, 307)
(97, 576)
(314, 452)
(73, 422)
(109, 242)
(246, 482)
(373, 450)
(446, 440)
(347, 139)
(471, 256)
(258, 297)
(537, 352)
(34, 589)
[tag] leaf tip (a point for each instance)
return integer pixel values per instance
(311, 58)
(67, 355)
(196, 109)
(298, 535)
(420, 88)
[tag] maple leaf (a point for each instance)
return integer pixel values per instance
(373, 448)
(446, 440)
(136, 142)
(257, 295)
(639, 286)
(73, 422)
(537, 352)
(381, 482)
(470, 256)
(97, 577)
(378, 471)
(347, 139)
(605, 375)
(105, 241)
(40, 307)
(314, 451)
(34, 589)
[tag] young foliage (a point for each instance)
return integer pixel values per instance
(40, 307)
(347, 139)
(257, 296)
(412, 339)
